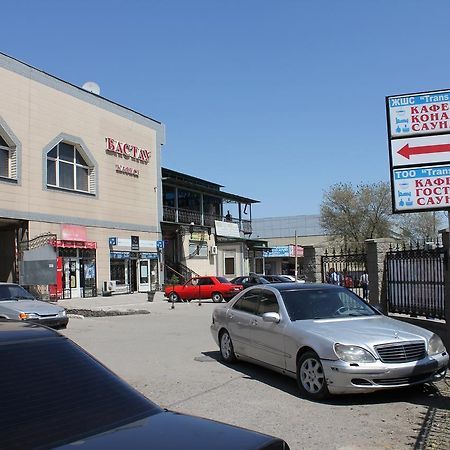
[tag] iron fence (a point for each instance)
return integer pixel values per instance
(348, 266)
(415, 280)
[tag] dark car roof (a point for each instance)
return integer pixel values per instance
(17, 331)
(55, 394)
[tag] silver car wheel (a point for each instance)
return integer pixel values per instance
(226, 347)
(312, 376)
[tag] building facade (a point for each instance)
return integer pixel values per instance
(206, 231)
(79, 174)
(282, 233)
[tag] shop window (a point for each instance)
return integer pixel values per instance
(7, 159)
(229, 265)
(69, 168)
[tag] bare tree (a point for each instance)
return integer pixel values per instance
(419, 226)
(357, 213)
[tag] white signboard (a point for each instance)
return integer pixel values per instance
(421, 188)
(419, 146)
(416, 114)
(227, 229)
(420, 150)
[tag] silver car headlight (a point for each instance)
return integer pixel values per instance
(435, 345)
(352, 353)
(62, 313)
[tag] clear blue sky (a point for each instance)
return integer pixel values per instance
(274, 99)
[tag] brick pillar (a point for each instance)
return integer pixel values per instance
(312, 263)
(376, 250)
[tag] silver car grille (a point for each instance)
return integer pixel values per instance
(401, 352)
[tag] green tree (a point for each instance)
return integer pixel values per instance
(357, 213)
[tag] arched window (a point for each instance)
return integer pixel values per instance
(7, 158)
(69, 168)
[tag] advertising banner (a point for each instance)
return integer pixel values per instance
(417, 114)
(421, 188)
(419, 146)
(277, 252)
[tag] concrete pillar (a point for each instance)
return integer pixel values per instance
(312, 263)
(376, 250)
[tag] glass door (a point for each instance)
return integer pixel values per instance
(143, 275)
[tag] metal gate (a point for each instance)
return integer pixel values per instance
(348, 265)
(415, 281)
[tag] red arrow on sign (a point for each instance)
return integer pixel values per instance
(407, 151)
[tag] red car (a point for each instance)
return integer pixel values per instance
(217, 288)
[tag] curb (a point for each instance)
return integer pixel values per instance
(82, 313)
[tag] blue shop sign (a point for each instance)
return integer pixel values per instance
(149, 256)
(277, 252)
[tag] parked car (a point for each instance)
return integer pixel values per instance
(57, 395)
(326, 337)
(253, 279)
(216, 288)
(18, 304)
(276, 278)
(292, 278)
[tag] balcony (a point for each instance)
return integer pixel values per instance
(186, 216)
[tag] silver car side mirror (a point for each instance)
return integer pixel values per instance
(271, 317)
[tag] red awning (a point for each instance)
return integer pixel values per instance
(74, 244)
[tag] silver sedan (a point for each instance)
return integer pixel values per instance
(18, 304)
(327, 338)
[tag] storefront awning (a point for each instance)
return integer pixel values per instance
(73, 244)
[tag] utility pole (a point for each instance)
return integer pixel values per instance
(295, 255)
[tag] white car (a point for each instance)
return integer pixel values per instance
(326, 337)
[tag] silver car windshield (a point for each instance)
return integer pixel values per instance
(310, 304)
(14, 292)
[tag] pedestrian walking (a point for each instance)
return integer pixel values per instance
(364, 282)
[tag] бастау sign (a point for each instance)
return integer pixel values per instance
(419, 150)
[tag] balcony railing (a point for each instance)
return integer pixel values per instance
(187, 216)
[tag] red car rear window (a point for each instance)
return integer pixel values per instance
(223, 280)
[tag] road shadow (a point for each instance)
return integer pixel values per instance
(432, 395)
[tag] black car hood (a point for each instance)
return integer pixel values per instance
(172, 431)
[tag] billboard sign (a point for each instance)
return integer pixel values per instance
(416, 114)
(419, 150)
(421, 188)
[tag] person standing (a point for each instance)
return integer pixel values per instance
(364, 282)
(333, 276)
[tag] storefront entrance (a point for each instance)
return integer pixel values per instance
(78, 272)
(133, 271)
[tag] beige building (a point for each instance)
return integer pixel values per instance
(282, 233)
(81, 174)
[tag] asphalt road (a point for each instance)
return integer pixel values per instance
(170, 356)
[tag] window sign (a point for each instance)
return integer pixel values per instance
(135, 243)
